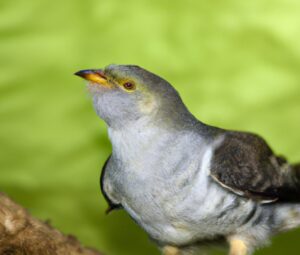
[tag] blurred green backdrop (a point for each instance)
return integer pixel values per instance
(236, 64)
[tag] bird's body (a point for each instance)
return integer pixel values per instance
(163, 199)
(145, 175)
(185, 182)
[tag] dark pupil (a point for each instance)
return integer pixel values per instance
(128, 85)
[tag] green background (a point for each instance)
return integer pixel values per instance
(235, 63)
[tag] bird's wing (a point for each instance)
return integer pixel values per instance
(111, 205)
(244, 164)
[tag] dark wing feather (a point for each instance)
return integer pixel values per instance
(111, 206)
(245, 164)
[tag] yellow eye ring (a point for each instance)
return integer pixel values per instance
(129, 85)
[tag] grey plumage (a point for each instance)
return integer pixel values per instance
(182, 180)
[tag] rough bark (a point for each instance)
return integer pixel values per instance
(21, 234)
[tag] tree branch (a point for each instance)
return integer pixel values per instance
(21, 234)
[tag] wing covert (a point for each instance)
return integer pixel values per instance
(244, 164)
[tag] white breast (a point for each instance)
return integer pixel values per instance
(168, 190)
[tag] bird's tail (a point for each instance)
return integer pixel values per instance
(288, 213)
(296, 179)
(296, 171)
(290, 190)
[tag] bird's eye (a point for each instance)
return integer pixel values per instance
(129, 85)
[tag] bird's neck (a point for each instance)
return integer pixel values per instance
(136, 138)
(146, 140)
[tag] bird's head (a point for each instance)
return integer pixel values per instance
(124, 94)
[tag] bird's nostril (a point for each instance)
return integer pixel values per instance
(100, 73)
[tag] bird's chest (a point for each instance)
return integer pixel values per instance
(164, 185)
(177, 205)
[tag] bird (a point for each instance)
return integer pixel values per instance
(186, 183)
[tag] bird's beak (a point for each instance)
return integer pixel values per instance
(94, 76)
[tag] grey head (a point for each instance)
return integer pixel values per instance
(127, 94)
